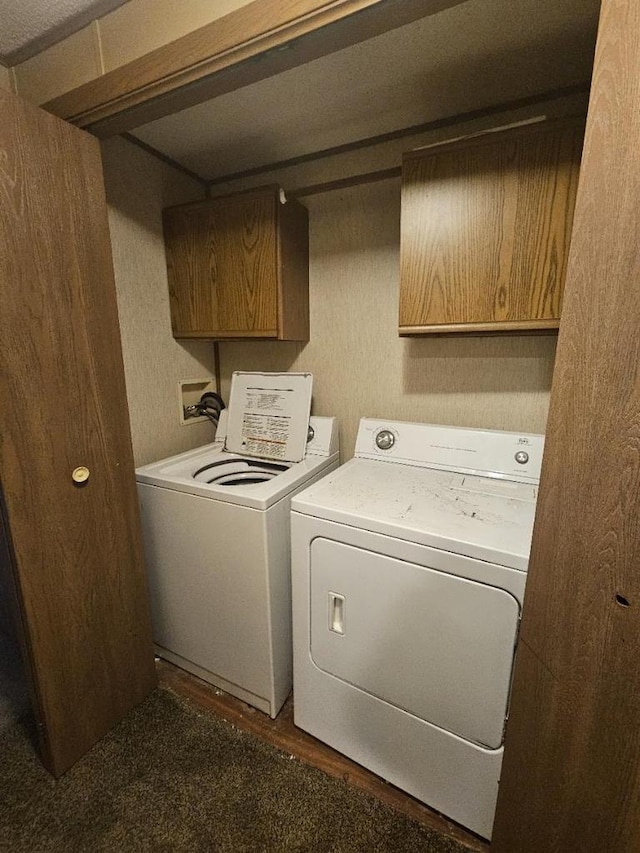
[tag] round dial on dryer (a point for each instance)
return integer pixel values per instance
(385, 439)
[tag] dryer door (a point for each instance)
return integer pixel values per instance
(438, 646)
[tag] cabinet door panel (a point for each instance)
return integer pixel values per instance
(222, 266)
(486, 227)
(191, 291)
(75, 547)
(243, 253)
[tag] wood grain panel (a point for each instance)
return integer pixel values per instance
(243, 250)
(499, 327)
(238, 266)
(222, 265)
(571, 776)
(190, 292)
(77, 550)
(486, 226)
(214, 59)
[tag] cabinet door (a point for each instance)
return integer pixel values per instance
(74, 545)
(485, 233)
(222, 266)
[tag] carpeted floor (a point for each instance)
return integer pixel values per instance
(14, 701)
(173, 778)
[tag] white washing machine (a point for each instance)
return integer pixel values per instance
(216, 535)
(408, 569)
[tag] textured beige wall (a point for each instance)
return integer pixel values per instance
(123, 35)
(60, 68)
(360, 365)
(138, 187)
(141, 26)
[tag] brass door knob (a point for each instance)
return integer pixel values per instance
(80, 474)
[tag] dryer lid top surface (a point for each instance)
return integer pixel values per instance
(478, 517)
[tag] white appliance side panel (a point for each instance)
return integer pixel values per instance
(206, 565)
(436, 645)
(278, 590)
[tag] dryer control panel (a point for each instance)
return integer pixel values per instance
(488, 453)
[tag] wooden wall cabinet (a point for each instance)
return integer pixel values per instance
(238, 267)
(485, 230)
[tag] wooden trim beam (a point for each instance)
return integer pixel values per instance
(255, 42)
(232, 335)
(515, 326)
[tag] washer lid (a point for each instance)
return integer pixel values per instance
(177, 473)
(269, 415)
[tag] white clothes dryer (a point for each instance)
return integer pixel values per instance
(216, 536)
(408, 571)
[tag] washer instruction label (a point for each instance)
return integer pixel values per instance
(269, 415)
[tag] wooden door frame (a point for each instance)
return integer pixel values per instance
(571, 774)
(256, 41)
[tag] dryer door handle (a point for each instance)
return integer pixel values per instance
(336, 613)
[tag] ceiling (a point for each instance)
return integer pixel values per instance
(476, 54)
(29, 26)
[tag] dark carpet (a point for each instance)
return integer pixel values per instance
(173, 778)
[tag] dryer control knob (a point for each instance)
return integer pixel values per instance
(522, 457)
(385, 439)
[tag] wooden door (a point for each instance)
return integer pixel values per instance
(75, 547)
(571, 774)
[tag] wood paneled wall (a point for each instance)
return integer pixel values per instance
(360, 365)
(138, 187)
(571, 775)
